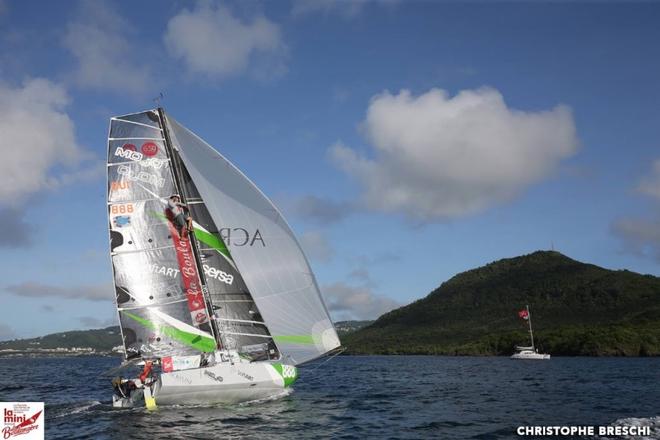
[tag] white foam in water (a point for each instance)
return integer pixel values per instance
(78, 409)
(278, 396)
(651, 422)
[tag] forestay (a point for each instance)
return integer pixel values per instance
(268, 256)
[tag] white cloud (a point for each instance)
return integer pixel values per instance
(38, 136)
(316, 246)
(640, 236)
(356, 302)
(97, 292)
(213, 42)
(650, 185)
(6, 332)
(106, 58)
(345, 8)
(321, 210)
(438, 157)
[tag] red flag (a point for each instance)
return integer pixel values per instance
(523, 314)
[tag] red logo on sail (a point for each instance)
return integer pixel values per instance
(524, 314)
(129, 147)
(149, 149)
(191, 283)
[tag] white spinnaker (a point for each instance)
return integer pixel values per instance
(276, 273)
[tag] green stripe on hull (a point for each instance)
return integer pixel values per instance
(289, 373)
(201, 343)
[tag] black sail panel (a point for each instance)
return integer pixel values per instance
(235, 312)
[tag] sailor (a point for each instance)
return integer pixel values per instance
(178, 214)
(146, 372)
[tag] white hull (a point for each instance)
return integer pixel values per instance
(528, 354)
(223, 383)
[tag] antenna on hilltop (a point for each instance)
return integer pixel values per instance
(158, 99)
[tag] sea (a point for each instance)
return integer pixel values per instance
(358, 397)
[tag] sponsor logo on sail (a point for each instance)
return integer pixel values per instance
(241, 237)
(140, 176)
(149, 149)
(127, 153)
(212, 272)
(119, 185)
(23, 420)
(164, 270)
(121, 221)
(138, 157)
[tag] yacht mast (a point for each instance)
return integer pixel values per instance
(529, 320)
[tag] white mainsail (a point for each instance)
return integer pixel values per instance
(274, 267)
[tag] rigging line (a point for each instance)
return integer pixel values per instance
(137, 138)
(137, 123)
(340, 351)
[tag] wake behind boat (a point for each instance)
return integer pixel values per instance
(528, 352)
(215, 297)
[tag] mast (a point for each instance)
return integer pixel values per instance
(200, 270)
(529, 320)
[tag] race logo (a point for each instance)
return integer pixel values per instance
(22, 420)
(149, 149)
(128, 153)
(121, 221)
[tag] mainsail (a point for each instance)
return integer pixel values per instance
(161, 307)
(263, 249)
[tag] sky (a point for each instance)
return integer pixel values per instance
(404, 141)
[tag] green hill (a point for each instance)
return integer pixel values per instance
(101, 340)
(577, 309)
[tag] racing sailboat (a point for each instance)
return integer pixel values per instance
(223, 313)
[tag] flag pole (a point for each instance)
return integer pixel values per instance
(529, 320)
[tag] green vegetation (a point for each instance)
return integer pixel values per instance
(577, 309)
(101, 340)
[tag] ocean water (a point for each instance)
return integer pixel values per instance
(359, 397)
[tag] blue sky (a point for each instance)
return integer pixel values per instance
(404, 141)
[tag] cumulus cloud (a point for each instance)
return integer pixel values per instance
(347, 302)
(97, 292)
(106, 58)
(344, 8)
(316, 246)
(639, 236)
(14, 232)
(40, 148)
(438, 157)
(211, 41)
(650, 185)
(322, 210)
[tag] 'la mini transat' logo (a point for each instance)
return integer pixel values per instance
(22, 420)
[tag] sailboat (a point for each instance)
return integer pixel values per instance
(528, 352)
(224, 313)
